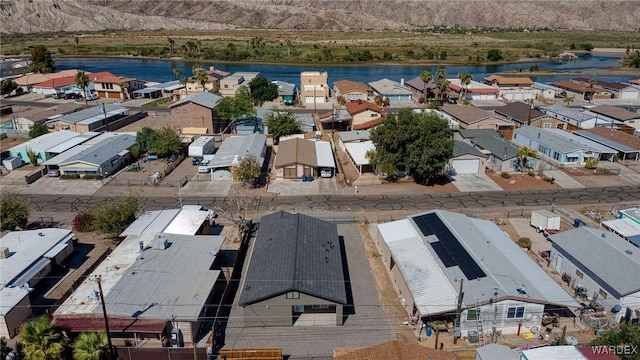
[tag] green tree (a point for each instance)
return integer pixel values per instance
(82, 80)
(465, 80)
(91, 346)
(262, 90)
(421, 140)
(41, 341)
(184, 82)
(5, 349)
(202, 78)
(247, 170)
(38, 130)
(145, 138)
(7, 86)
(627, 335)
(568, 100)
(15, 211)
(426, 77)
(282, 123)
(41, 60)
(165, 142)
(442, 82)
(32, 156)
(236, 107)
(77, 40)
(494, 55)
(113, 216)
(176, 72)
(524, 153)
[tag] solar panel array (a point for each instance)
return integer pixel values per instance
(448, 248)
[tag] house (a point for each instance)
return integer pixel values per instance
(546, 91)
(568, 352)
(522, 114)
(610, 279)
(577, 118)
(419, 88)
(306, 284)
(26, 257)
(116, 87)
(557, 146)
(154, 90)
(351, 90)
(12, 66)
(286, 92)
(44, 147)
(431, 257)
(392, 90)
(336, 119)
(30, 79)
(620, 115)
(466, 159)
(357, 144)
(184, 221)
(364, 115)
(453, 124)
(314, 87)
(66, 84)
(158, 291)
(503, 154)
(628, 146)
(75, 146)
(90, 119)
(197, 111)
(213, 83)
(627, 225)
(104, 158)
(512, 88)
(299, 157)
(24, 120)
(233, 150)
(229, 85)
(471, 117)
(582, 92)
(619, 90)
(474, 91)
(397, 350)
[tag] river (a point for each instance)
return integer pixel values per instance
(161, 70)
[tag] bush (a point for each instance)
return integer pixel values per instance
(531, 173)
(83, 222)
(505, 175)
(591, 163)
(69, 176)
(14, 210)
(92, 177)
(547, 178)
(111, 217)
(525, 243)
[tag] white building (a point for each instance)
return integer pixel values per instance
(559, 146)
(430, 255)
(610, 278)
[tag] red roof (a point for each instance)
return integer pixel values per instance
(115, 325)
(56, 83)
(99, 75)
(598, 352)
(356, 107)
(368, 124)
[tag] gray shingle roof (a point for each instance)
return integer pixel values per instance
(104, 150)
(613, 265)
(388, 87)
(295, 252)
(490, 140)
(205, 99)
(462, 148)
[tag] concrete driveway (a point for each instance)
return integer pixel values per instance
(564, 180)
(473, 182)
(320, 186)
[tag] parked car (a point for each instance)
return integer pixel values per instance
(72, 96)
(57, 95)
(92, 97)
(53, 173)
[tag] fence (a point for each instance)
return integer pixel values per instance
(165, 353)
(11, 133)
(117, 124)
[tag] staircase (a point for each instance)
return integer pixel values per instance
(479, 322)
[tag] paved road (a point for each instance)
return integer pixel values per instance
(355, 203)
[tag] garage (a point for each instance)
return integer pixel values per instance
(309, 99)
(629, 94)
(466, 166)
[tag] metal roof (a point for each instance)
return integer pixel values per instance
(205, 99)
(26, 248)
(542, 86)
(92, 114)
(563, 352)
(185, 221)
(295, 252)
(549, 139)
(324, 154)
(568, 114)
(388, 87)
(606, 142)
(62, 147)
(358, 151)
(490, 140)
(602, 149)
(33, 270)
(496, 351)
(624, 227)
(617, 263)
(234, 148)
(284, 88)
(46, 141)
(348, 136)
(103, 151)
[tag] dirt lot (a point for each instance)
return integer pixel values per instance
(152, 121)
(521, 182)
(8, 143)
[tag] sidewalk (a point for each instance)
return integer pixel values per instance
(563, 179)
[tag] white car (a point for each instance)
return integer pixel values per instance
(92, 97)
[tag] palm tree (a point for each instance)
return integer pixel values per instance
(176, 72)
(425, 76)
(184, 81)
(465, 80)
(203, 78)
(443, 83)
(195, 68)
(568, 100)
(82, 80)
(91, 346)
(525, 153)
(171, 44)
(41, 341)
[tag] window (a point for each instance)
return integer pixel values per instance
(556, 156)
(319, 306)
(559, 126)
(293, 295)
(515, 312)
(472, 314)
(546, 125)
(373, 115)
(579, 274)
(602, 294)
(479, 126)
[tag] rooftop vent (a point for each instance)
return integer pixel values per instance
(629, 252)
(604, 235)
(41, 234)
(160, 243)
(4, 252)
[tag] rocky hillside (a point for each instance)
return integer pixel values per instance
(22, 16)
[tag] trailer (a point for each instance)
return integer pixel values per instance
(545, 220)
(204, 145)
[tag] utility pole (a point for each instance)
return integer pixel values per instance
(456, 326)
(106, 319)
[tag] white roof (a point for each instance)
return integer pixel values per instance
(432, 292)
(10, 297)
(47, 141)
(234, 148)
(625, 226)
(27, 248)
(187, 222)
(358, 151)
(62, 147)
(553, 352)
(324, 154)
(183, 221)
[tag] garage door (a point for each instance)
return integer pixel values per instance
(467, 166)
(629, 95)
(319, 99)
(308, 99)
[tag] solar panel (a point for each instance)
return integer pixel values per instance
(448, 248)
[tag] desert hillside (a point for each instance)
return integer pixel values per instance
(23, 16)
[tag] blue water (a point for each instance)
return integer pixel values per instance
(162, 70)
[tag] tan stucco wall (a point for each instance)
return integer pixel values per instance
(192, 115)
(278, 311)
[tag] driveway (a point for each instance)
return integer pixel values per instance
(319, 186)
(524, 229)
(473, 182)
(564, 180)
